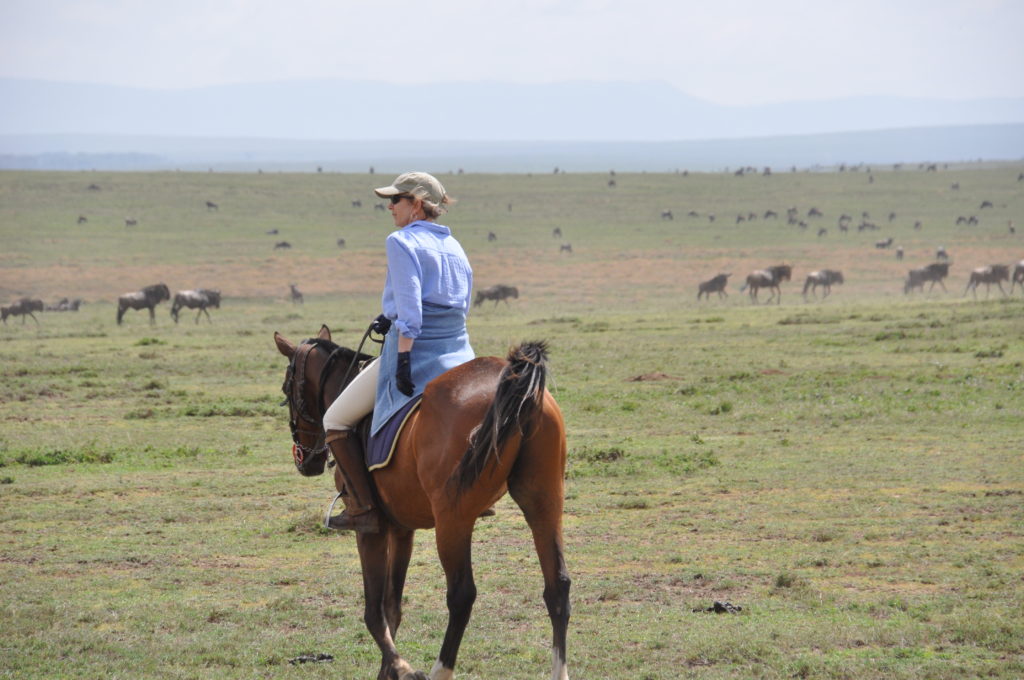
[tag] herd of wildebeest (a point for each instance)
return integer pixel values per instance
(769, 278)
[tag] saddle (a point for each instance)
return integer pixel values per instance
(378, 448)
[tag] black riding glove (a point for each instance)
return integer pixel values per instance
(381, 325)
(403, 376)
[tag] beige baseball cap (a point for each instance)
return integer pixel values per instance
(419, 184)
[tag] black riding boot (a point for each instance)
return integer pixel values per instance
(360, 514)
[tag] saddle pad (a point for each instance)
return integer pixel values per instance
(381, 446)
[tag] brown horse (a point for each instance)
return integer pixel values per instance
(483, 428)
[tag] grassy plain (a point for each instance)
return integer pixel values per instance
(848, 471)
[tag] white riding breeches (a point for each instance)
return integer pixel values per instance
(355, 401)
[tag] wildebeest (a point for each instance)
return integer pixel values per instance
(824, 278)
(491, 236)
(565, 248)
(357, 203)
(296, 294)
(82, 219)
(556, 232)
(884, 244)
(932, 273)
(941, 254)
(340, 242)
(65, 305)
(714, 285)
(768, 278)
(899, 254)
(147, 298)
(994, 273)
(497, 293)
(200, 299)
(130, 222)
(210, 205)
(667, 215)
(282, 245)
(23, 307)
(1018, 276)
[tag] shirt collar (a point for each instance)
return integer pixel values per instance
(431, 226)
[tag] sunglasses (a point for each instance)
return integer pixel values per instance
(398, 197)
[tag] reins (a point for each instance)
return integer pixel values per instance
(297, 403)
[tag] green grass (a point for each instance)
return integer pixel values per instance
(849, 472)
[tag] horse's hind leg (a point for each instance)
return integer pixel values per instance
(538, 488)
(454, 540)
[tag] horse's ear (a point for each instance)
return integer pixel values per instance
(325, 333)
(283, 345)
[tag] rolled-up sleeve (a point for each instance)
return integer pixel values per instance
(405, 283)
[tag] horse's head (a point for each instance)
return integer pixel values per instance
(317, 371)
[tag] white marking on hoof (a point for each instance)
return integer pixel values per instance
(439, 672)
(559, 669)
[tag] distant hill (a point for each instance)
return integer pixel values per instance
(340, 125)
(879, 148)
(476, 111)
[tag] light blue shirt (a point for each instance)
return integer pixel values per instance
(426, 265)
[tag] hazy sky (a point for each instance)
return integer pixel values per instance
(726, 51)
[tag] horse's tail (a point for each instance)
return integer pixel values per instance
(519, 396)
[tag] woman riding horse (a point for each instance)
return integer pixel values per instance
(425, 300)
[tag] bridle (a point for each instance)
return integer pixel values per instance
(302, 421)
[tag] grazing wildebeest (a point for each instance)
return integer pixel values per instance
(497, 293)
(82, 219)
(491, 236)
(340, 242)
(1018, 276)
(23, 307)
(667, 215)
(814, 212)
(884, 244)
(932, 273)
(714, 285)
(556, 232)
(282, 245)
(130, 222)
(995, 273)
(565, 248)
(771, 214)
(380, 207)
(482, 429)
(200, 299)
(65, 305)
(357, 203)
(272, 231)
(210, 205)
(824, 278)
(985, 204)
(296, 294)
(147, 298)
(768, 278)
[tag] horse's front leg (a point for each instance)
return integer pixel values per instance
(373, 557)
(454, 548)
(400, 542)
